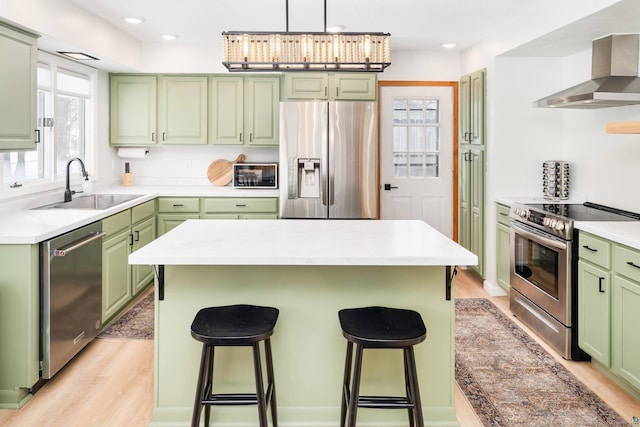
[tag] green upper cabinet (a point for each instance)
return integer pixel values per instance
(472, 108)
(18, 85)
(133, 110)
(244, 110)
(334, 86)
(226, 95)
(182, 110)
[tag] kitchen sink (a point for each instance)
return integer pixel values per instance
(93, 201)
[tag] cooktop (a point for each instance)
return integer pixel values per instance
(586, 212)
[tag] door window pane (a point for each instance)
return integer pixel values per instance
(416, 138)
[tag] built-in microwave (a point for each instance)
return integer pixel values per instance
(255, 175)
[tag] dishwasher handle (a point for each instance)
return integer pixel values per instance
(95, 235)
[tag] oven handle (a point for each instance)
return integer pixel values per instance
(538, 238)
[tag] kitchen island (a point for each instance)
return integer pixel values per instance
(308, 269)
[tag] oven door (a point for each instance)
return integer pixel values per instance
(541, 269)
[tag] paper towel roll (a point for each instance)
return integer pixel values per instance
(133, 152)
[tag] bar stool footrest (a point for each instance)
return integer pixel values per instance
(385, 402)
(231, 399)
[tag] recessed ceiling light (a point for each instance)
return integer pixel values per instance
(335, 28)
(170, 36)
(79, 56)
(449, 45)
(134, 20)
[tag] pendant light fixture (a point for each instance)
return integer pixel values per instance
(305, 51)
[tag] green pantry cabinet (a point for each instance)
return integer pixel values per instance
(193, 109)
(608, 314)
(172, 211)
(471, 166)
(18, 84)
(126, 231)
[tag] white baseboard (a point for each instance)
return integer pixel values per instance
(493, 289)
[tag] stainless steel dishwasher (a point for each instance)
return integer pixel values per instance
(71, 297)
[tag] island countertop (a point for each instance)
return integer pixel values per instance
(303, 242)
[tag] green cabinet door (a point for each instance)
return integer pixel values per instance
(472, 108)
(354, 86)
(301, 86)
(626, 333)
(132, 113)
(226, 115)
(116, 274)
(143, 233)
(471, 218)
(503, 247)
(182, 109)
(261, 110)
(18, 87)
(168, 222)
(594, 312)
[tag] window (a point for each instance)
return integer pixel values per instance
(64, 103)
(416, 138)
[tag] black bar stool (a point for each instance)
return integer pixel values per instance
(381, 327)
(234, 325)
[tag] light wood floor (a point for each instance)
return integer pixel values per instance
(110, 384)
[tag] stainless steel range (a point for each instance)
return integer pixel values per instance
(544, 259)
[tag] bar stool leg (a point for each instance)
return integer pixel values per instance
(413, 386)
(345, 384)
(208, 384)
(262, 405)
(355, 388)
(271, 385)
(200, 388)
(407, 386)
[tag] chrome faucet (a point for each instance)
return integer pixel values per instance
(67, 192)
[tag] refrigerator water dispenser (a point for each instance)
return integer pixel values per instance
(309, 178)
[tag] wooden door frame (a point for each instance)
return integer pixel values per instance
(454, 140)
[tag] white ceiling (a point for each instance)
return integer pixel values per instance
(413, 24)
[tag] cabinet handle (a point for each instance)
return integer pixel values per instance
(504, 214)
(250, 137)
(130, 239)
(178, 205)
(137, 233)
(600, 280)
(632, 264)
(240, 206)
(37, 136)
(164, 138)
(326, 88)
(337, 92)
(589, 249)
(240, 136)
(153, 136)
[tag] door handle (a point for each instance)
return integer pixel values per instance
(388, 187)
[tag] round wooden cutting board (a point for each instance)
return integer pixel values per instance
(220, 171)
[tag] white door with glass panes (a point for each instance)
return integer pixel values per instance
(416, 154)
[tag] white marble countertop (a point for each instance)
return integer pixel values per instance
(623, 232)
(303, 242)
(22, 225)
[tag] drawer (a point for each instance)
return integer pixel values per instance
(595, 250)
(502, 214)
(627, 262)
(143, 211)
(114, 223)
(240, 205)
(178, 204)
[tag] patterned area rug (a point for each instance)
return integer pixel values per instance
(510, 380)
(135, 324)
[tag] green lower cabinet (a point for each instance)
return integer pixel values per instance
(168, 222)
(126, 231)
(116, 279)
(503, 247)
(19, 323)
(626, 334)
(594, 312)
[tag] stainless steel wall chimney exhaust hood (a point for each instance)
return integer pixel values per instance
(614, 77)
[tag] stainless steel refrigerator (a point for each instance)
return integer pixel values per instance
(328, 160)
